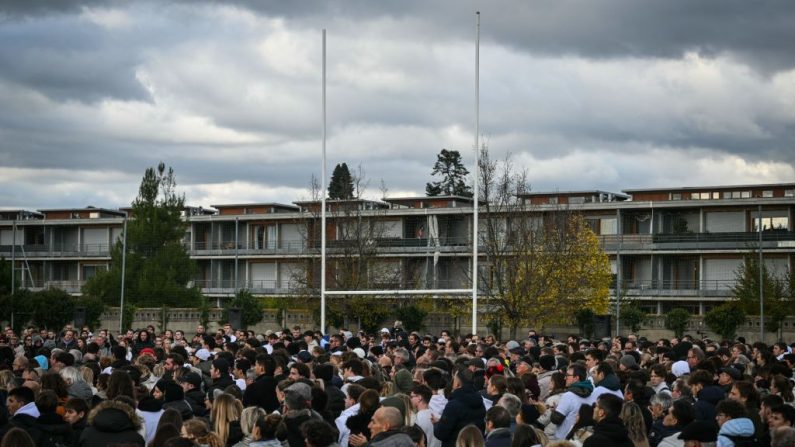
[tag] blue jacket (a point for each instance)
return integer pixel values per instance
(740, 428)
(464, 407)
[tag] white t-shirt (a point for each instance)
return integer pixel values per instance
(423, 420)
(437, 403)
(569, 406)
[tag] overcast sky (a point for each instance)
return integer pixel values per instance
(607, 94)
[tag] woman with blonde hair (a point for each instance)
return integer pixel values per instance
(470, 436)
(248, 419)
(197, 430)
(632, 417)
(225, 419)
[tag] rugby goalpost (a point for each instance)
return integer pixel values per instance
(399, 292)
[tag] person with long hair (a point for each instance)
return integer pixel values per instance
(633, 421)
(120, 384)
(198, 431)
(525, 436)
(17, 437)
(470, 436)
(264, 431)
(53, 381)
(225, 419)
(164, 433)
(248, 419)
(557, 386)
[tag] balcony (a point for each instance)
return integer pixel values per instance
(611, 242)
(264, 286)
(57, 251)
(742, 240)
(68, 286)
(304, 246)
(674, 288)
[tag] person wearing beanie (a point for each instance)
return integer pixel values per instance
(403, 381)
(628, 363)
(220, 374)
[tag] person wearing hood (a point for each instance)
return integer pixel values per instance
(464, 407)
(707, 395)
(579, 390)
(24, 413)
(735, 425)
(53, 428)
(150, 409)
(111, 423)
(171, 395)
(608, 430)
(606, 381)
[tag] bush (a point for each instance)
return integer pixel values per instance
(725, 319)
(633, 317)
(250, 306)
(412, 317)
(677, 320)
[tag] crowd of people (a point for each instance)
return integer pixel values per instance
(294, 388)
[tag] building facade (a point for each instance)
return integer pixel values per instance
(670, 247)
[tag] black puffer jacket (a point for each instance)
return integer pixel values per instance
(111, 423)
(54, 430)
(706, 401)
(610, 431)
(195, 399)
(464, 407)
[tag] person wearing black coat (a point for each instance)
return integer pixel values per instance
(262, 392)
(464, 407)
(54, 430)
(609, 430)
(191, 383)
(707, 395)
(111, 423)
(219, 372)
(336, 398)
(24, 414)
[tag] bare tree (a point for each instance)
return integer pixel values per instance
(540, 266)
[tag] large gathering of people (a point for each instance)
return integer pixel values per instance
(394, 388)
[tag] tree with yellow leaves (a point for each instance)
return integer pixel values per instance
(541, 266)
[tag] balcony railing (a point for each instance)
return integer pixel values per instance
(688, 284)
(71, 286)
(56, 250)
(666, 238)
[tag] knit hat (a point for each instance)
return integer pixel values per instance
(547, 362)
(628, 361)
(403, 381)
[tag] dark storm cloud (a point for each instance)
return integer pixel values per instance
(760, 32)
(66, 59)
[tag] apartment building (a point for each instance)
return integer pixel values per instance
(669, 247)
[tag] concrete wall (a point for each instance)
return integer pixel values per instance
(187, 319)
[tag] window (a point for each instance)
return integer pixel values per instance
(772, 223)
(576, 200)
(727, 195)
(93, 215)
(89, 271)
(767, 194)
(695, 196)
(676, 196)
(789, 193)
(745, 194)
(716, 195)
(553, 201)
(704, 196)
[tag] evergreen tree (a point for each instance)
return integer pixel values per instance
(158, 269)
(453, 174)
(341, 185)
(777, 293)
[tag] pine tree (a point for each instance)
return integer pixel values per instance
(158, 269)
(453, 174)
(341, 185)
